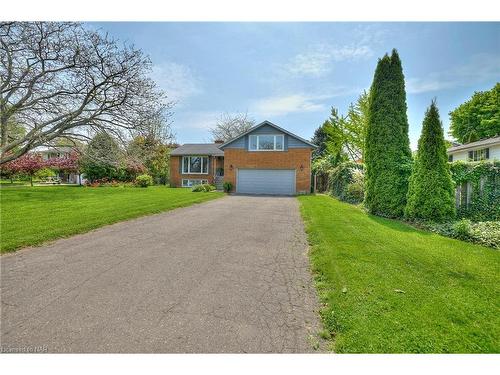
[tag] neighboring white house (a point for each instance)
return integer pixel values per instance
(485, 149)
(59, 152)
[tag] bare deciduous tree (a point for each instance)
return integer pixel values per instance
(229, 126)
(61, 80)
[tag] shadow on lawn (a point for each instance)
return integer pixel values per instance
(395, 224)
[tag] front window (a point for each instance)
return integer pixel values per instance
(189, 182)
(478, 155)
(266, 142)
(195, 164)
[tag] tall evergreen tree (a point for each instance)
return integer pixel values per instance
(387, 151)
(320, 139)
(430, 191)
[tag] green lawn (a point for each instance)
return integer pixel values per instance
(386, 287)
(30, 216)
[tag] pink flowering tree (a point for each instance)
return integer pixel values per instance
(27, 164)
(68, 163)
(8, 171)
(134, 168)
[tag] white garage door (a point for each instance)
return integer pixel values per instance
(266, 181)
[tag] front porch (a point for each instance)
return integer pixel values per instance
(218, 162)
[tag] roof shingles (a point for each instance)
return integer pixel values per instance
(482, 142)
(211, 149)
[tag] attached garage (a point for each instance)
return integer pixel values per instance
(266, 181)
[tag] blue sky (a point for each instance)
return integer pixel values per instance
(292, 73)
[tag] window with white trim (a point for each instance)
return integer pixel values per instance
(195, 164)
(267, 142)
(189, 182)
(478, 155)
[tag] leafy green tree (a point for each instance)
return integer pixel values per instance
(478, 117)
(329, 140)
(336, 139)
(101, 158)
(430, 190)
(320, 139)
(154, 154)
(354, 127)
(344, 135)
(387, 150)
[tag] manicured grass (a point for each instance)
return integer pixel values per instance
(30, 216)
(389, 288)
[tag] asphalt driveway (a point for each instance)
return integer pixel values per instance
(229, 275)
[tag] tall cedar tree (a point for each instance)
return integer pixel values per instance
(387, 153)
(320, 139)
(430, 191)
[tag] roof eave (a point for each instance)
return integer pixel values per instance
(200, 154)
(487, 142)
(266, 122)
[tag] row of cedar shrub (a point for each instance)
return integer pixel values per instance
(397, 185)
(478, 183)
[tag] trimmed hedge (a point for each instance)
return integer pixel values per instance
(144, 180)
(203, 188)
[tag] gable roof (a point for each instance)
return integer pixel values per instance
(198, 149)
(482, 142)
(270, 124)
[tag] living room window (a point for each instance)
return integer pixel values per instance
(195, 164)
(189, 182)
(478, 155)
(266, 142)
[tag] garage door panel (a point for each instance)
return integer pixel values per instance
(266, 181)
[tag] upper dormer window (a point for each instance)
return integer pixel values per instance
(266, 142)
(478, 155)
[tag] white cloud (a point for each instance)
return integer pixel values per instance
(319, 60)
(431, 83)
(312, 63)
(178, 81)
(370, 34)
(281, 105)
(480, 68)
(201, 120)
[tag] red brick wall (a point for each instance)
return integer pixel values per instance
(176, 177)
(291, 159)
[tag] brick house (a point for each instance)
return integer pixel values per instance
(266, 159)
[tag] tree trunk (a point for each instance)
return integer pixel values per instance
(4, 132)
(31, 180)
(3, 123)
